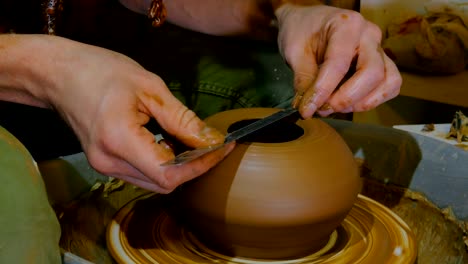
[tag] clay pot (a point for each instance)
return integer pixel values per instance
(278, 196)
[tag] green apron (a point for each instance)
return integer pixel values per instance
(29, 229)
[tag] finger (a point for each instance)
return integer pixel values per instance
(178, 174)
(147, 185)
(166, 144)
(302, 82)
(113, 166)
(139, 149)
(390, 88)
(174, 175)
(176, 118)
(370, 73)
(337, 60)
(303, 62)
(128, 143)
(121, 168)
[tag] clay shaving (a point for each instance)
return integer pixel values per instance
(459, 128)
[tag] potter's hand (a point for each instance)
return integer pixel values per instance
(320, 43)
(107, 98)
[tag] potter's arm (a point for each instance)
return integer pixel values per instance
(24, 68)
(221, 17)
(320, 43)
(68, 76)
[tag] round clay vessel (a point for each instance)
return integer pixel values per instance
(278, 196)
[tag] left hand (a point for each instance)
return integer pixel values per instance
(321, 43)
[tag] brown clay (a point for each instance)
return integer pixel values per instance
(272, 200)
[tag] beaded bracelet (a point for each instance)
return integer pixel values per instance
(157, 13)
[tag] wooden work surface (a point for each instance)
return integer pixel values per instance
(451, 90)
(440, 237)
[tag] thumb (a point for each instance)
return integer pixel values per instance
(305, 71)
(180, 122)
(188, 128)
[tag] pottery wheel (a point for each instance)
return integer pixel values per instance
(144, 232)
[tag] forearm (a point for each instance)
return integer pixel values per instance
(19, 71)
(26, 68)
(221, 17)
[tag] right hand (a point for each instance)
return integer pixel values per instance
(107, 98)
(320, 43)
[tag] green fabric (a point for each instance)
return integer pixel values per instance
(29, 229)
(210, 74)
(221, 87)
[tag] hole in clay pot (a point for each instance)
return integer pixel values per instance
(281, 131)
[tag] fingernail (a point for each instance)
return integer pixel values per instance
(326, 112)
(310, 109)
(158, 137)
(325, 107)
(308, 105)
(211, 135)
(167, 146)
(297, 99)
